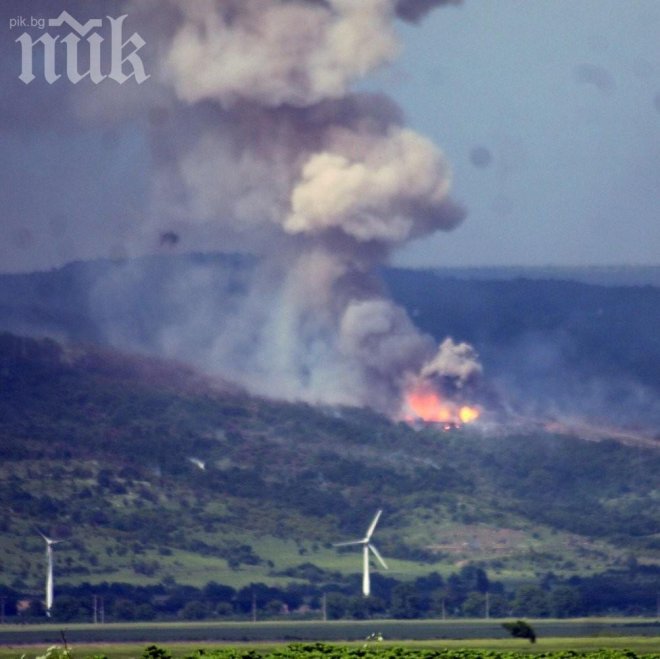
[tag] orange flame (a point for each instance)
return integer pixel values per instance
(426, 405)
(429, 407)
(468, 414)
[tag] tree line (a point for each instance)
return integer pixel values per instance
(466, 593)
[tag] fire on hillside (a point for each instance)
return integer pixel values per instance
(423, 404)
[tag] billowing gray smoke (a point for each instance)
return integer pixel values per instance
(269, 151)
(259, 144)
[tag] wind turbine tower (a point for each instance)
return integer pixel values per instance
(49, 573)
(367, 546)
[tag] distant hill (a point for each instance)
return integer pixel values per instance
(105, 450)
(623, 275)
(107, 301)
(554, 348)
(160, 476)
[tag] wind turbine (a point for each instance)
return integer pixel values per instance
(366, 546)
(49, 574)
(200, 464)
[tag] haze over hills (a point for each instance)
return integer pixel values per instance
(553, 350)
(92, 439)
(105, 447)
(600, 275)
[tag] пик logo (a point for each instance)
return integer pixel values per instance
(94, 42)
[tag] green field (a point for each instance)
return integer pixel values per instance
(647, 647)
(99, 444)
(128, 640)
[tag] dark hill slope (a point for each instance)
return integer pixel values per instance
(96, 447)
(601, 330)
(553, 348)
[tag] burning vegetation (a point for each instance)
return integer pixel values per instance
(429, 407)
(440, 392)
(283, 159)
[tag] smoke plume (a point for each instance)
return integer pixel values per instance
(271, 148)
(259, 144)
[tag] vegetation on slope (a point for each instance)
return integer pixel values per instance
(97, 450)
(549, 345)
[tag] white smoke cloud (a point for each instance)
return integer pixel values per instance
(268, 149)
(457, 361)
(378, 335)
(260, 144)
(372, 188)
(277, 53)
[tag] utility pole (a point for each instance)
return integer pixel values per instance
(487, 605)
(254, 607)
(444, 609)
(95, 616)
(324, 608)
(102, 609)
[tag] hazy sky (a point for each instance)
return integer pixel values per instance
(548, 110)
(557, 102)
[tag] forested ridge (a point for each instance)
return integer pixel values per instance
(102, 449)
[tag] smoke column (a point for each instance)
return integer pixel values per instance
(266, 149)
(259, 144)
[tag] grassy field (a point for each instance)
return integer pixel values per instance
(189, 568)
(128, 640)
(639, 644)
(140, 513)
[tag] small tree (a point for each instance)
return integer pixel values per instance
(336, 605)
(194, 610)
(565, 602)
(474, 605)
(405, 601)
(520, 629)
(531, 601)
(155, 652)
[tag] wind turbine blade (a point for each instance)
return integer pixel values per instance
(373, 525)
(347, 544)
(378, 556)
(43, 535)
(366, 580)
